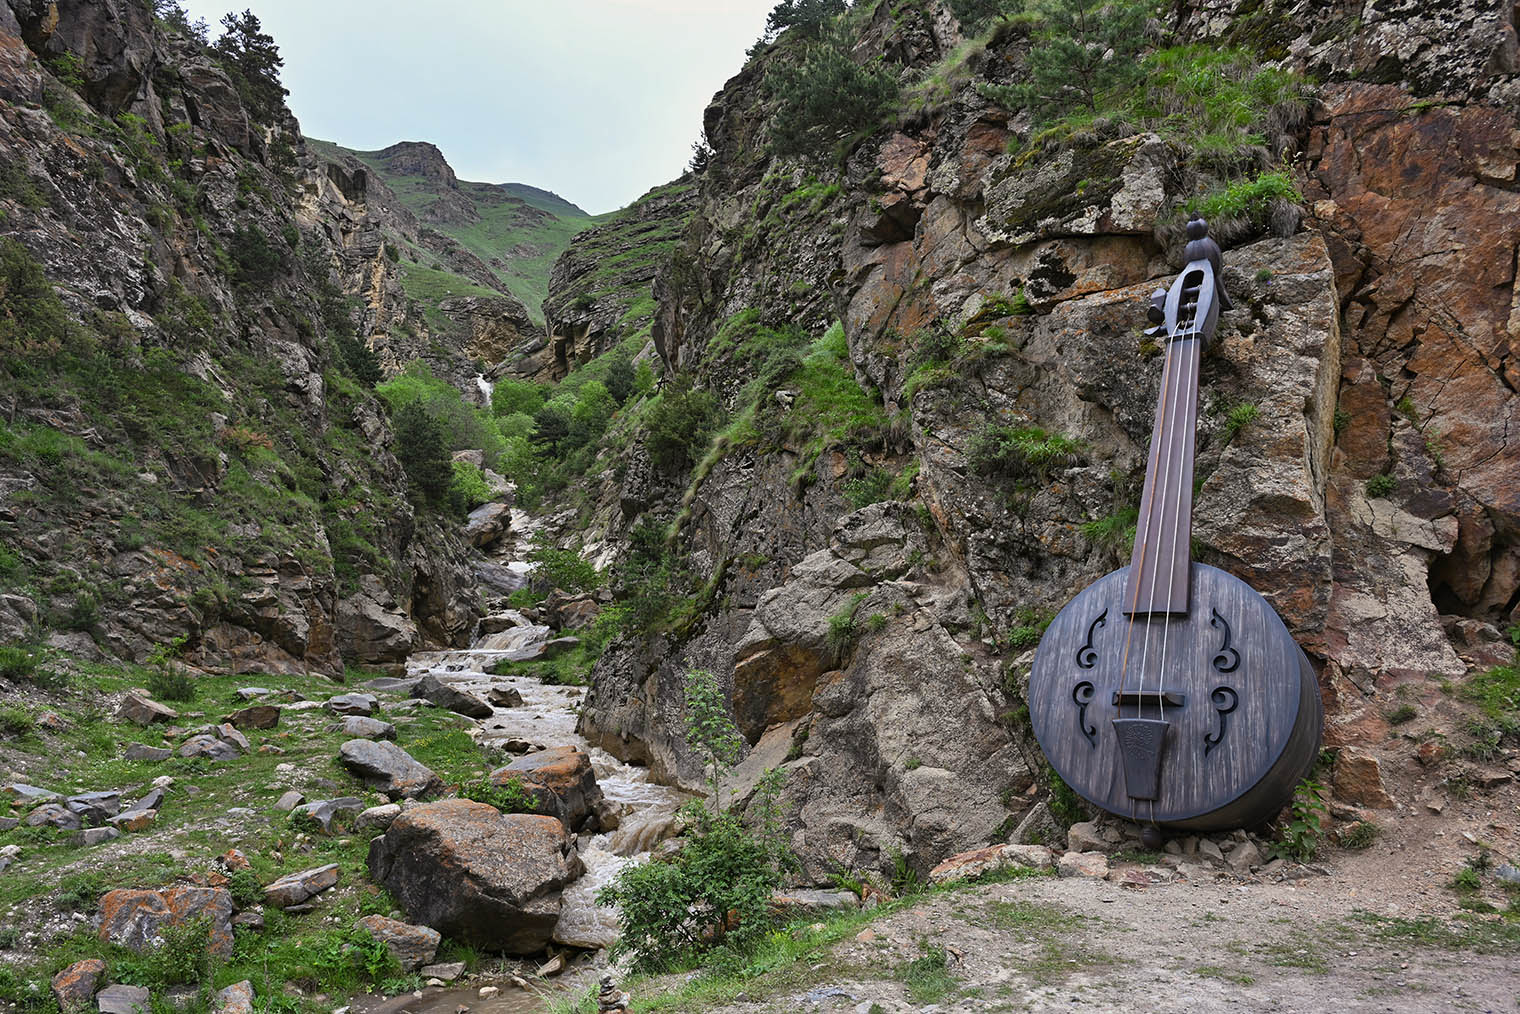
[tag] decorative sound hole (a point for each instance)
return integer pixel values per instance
(1227, 659)
(1225, 700)
(1087, 655)
(1082, 694)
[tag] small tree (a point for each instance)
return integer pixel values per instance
(253, 61)
(1083, 50)
(424, 453)
(825, 98)
(806, 17)
(710, 729)
(620, 377)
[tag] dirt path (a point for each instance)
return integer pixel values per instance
(1045, 944)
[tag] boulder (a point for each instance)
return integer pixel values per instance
(360, 727)
(258, 716)
(54, 815)
(378, 817)
(487, 522)
(74, 986)
(489, 879)
(289, 800)
(411, 946)
(372, 627)
(505, 697)
(235, 999)
(1093, 865)
(295, 888)
(388, 768)
(1358, 779)
(94, 836)
(977, 862)
(119, 999)
(135, 918)
(447, 971)
(431, 688)
(353, 704)
(95, 807)
(323, 812)
(561, 781)
(23, 794)
(143, 752)
(209, 747)
(134, 820)
(1084, 836)
(142, 710)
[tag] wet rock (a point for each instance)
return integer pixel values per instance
(142, 710)
(378, 817)
(352, 704)
(74, 986)
(259, 716)
(477, 875)
(448, 971)
(289, 801)
(135, 918)
(1093, 865)
(296, 888)
(561, 781)
(431, 688)
(388, 768)
(505, 697)
(558, 646)
(360, 727)
(118, 999)
(1358, 779)
(323, 812)
(143, 752)
(411, 946)
(497, 622)
(235, 999)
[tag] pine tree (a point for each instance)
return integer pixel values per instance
(424, 453)
(827, 97)
(1084, 50)
(807, 17)
(253, 61)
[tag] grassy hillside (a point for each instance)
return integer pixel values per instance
(518, 230)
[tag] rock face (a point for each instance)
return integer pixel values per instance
(476, 875)
(560, 780)
(388, 768)
(134, 918)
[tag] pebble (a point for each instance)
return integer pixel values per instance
(486, 992)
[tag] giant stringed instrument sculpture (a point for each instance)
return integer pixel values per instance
(1170, 692)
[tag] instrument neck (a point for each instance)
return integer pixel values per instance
(1161, 563)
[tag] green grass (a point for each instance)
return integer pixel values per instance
(316, 952)
(927, 976)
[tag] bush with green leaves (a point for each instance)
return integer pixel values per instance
(511, 396)
(18, 662)
(679, 426)
(468, 488)
(1300, 838)
(253, 61)
(1021, 452)
(714, 892)
(1082, 51)
(564, 569)
(826, 96)
(509, 795)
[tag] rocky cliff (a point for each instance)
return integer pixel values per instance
(892, 505)
(191, 450)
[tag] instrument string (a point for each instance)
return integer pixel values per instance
(1184, 387)
(1162, 480)
(1145, 547)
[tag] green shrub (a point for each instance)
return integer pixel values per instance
(1082, 52)
(826, 97)
(1021, 452)
(18, 663)
(679, 425)
(869, 488)
(1249, 200)
(1300, 839)
(468, 488)
(928, 976)
(33, 321)
(246, 889)
(1239, 418)
(15, 722)
(511, 396)
(842, 633)
(255, 260)
(564, 569)
(714, 892)
(511, 796)
(1380, 485)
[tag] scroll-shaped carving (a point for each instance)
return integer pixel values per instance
(1225, 700)
(1087, 655)
(1082, 695)
(1227, 659)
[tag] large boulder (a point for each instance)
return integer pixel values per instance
(434, 690)
(487, 522)
(561, 781)
(489, 879)
(135, 919)
(387, 767)
(372, 626)
(411, 946)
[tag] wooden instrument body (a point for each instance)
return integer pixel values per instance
(1241, 702)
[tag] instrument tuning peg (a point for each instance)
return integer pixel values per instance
(1156, 313)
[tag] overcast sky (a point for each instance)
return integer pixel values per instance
(597, 100)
